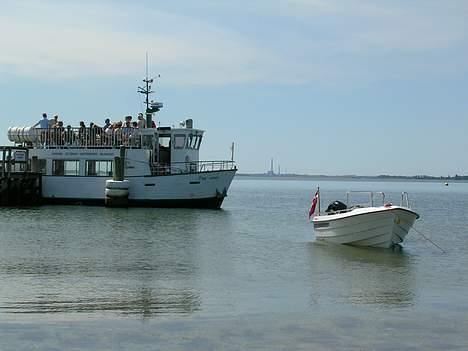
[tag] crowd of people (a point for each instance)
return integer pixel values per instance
(53, 131)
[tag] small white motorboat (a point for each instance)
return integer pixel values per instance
(364, 224)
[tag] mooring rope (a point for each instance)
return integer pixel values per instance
(432, 242)
(424, 236)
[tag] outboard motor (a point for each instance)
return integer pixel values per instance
(336, 206)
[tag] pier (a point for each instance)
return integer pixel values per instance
(20, 180)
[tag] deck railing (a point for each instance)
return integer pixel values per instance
(84, 138)
(192, 167)
(368, 193)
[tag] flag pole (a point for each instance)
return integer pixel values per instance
(318, 191)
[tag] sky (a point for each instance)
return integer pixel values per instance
(333, 87)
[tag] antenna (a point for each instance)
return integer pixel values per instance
(146, 91)
(232, 151)
(151, 106)
(147, 65)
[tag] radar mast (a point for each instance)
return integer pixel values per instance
(151, 106)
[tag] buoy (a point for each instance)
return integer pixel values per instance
(117, 193)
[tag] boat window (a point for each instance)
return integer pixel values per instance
(99, 168)
(179, 141)
(189, 141)
(165, 140)
(57, 167)
(199, 139)
(66, 167)
(193, 141)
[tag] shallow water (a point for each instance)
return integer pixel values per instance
(248, 276)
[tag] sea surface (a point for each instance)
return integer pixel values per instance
(247, 277)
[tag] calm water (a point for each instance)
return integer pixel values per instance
(247, 277)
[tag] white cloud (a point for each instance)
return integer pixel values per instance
(328, 41)
(59, 40)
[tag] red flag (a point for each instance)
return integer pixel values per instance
(314, 204)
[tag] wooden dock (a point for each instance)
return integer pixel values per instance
(20, 179)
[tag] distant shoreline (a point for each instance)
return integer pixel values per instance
(422, 178)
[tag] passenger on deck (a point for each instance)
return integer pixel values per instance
(93, 131)
(107, 124)
(43, 123)
(53, 122)
(59, 133)
(118, 134)
(141, 121)
(98, 132)
(82, 133)
(126, 131)
(69, 135)
(107, 136)
(110, 129)
(134, 134)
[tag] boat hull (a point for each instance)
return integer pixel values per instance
(196, 190)
(208, 203)
(382, 227)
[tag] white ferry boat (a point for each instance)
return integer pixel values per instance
(161, 167)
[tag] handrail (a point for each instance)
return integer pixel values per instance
(370, 193)
(82, 137)
(404, 198)
(192, 167)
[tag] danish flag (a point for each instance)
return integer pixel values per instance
(314, 204)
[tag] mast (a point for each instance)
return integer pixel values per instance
(151, 106)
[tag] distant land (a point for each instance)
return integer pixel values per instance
(354, 177)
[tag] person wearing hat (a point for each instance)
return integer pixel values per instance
(141, 121)
(53, 122)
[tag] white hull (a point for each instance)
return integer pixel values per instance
(373, 226)
(204, 189)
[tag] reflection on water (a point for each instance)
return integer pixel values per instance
(146, 302)
(96, 259)
(381, 277)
